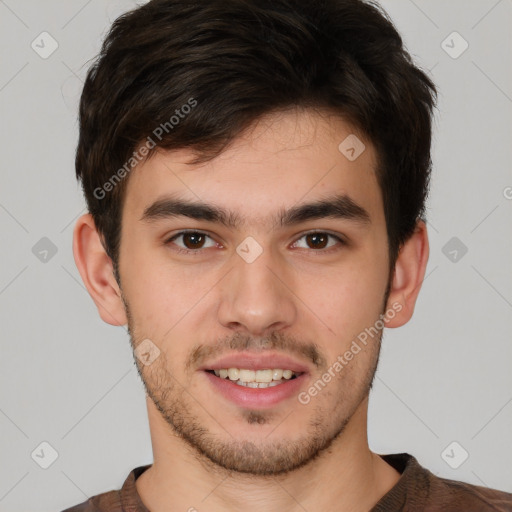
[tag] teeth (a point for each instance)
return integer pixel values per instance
(277, 374)
(247, 376)
(263, 376)
(255, 379)
(258, 385)
(233, 373)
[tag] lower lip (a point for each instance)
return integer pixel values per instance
(256, 398)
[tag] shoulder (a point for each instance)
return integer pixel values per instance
(120, 500)
(419, 490)
(105, 502)
(456, 495)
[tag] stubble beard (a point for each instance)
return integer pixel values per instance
(326, 425)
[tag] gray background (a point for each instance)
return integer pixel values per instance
(69, 380)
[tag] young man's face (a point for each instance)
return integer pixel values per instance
(297, 305)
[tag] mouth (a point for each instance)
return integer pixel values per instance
(255, 383)
(261, 379)
(256, 380)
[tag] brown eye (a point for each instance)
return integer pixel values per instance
(319, 241)
(192, 241)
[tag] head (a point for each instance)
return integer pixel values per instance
(256, 110)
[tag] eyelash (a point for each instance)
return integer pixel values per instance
(179, 250)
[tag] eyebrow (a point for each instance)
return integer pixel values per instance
(337, 207)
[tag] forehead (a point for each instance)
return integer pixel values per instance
(281, 160)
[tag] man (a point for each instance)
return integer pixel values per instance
(256, 175)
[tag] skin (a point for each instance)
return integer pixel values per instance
(208, 452)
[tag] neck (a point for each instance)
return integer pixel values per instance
(347, 476)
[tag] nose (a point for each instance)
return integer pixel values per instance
(257, 297)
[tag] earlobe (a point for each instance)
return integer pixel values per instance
(96, 269)
(408, 276)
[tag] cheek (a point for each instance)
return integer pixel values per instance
(152, 280)
(349, 298)
(165, 302)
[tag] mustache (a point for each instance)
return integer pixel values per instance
(239, 342)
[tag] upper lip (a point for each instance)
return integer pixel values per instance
(260, 361)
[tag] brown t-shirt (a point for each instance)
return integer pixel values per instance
(417, 490)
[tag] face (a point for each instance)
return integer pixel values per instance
(257, 282)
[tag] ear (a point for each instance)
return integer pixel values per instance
(408, 276)
(97, 271)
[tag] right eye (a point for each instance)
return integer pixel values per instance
(193, 241)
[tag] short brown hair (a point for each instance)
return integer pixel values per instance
(235, 60)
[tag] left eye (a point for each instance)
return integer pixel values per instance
(319, 240)
(193, 241)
